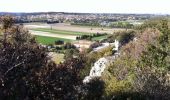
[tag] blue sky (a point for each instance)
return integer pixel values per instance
(87, 6)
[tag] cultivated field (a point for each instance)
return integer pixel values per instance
(68, 27)
(63, 32)
(49, 33)
(49, 40)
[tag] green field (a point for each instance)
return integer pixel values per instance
(60, 31)
(49, 40)
(99, 38)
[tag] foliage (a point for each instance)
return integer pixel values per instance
(70, 53)
(119, 80)
(154, 67)
(90, 37)
(140, 72)
(92, 57)
(68, 46)
(126, 37)
(27, 73)
(93, 90)
(20, 59)
(152, 23)
(114, 87)
(61, 82)
(123, 37)
(59, 42)
(95, 45)
(152, 83)
(157, 53)
(7, 22)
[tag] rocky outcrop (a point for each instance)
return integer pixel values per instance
(101, 64)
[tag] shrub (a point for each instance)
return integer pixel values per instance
(59, 42)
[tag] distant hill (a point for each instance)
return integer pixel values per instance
(72, 13)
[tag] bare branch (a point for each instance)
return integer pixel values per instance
(13, 68)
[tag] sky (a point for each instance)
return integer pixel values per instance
(87, 6)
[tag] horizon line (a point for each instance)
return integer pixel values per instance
(83, 12)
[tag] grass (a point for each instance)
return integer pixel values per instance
(99, 38)
(49, 40)
(60, 31)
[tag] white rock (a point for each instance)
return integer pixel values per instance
(102, 63)
(96, 70)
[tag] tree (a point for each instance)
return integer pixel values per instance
(69, 46)
(120, 78)
(157, 54)
(61, 82)
(20, 59)
(59, 42)
(93, 90)
(27, 73)
(7, 22)
(126, 37)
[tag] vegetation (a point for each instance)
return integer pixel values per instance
(156, 60)
(87, 23)
(121, 24)
(92, 57)
(26, 72)
(123, 37)
(59, 42)
(140, 72)
(60, 31)
(97, 36)
(49, 40)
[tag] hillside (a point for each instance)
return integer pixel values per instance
(130, 65)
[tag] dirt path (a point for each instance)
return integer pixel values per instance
(39, 33)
